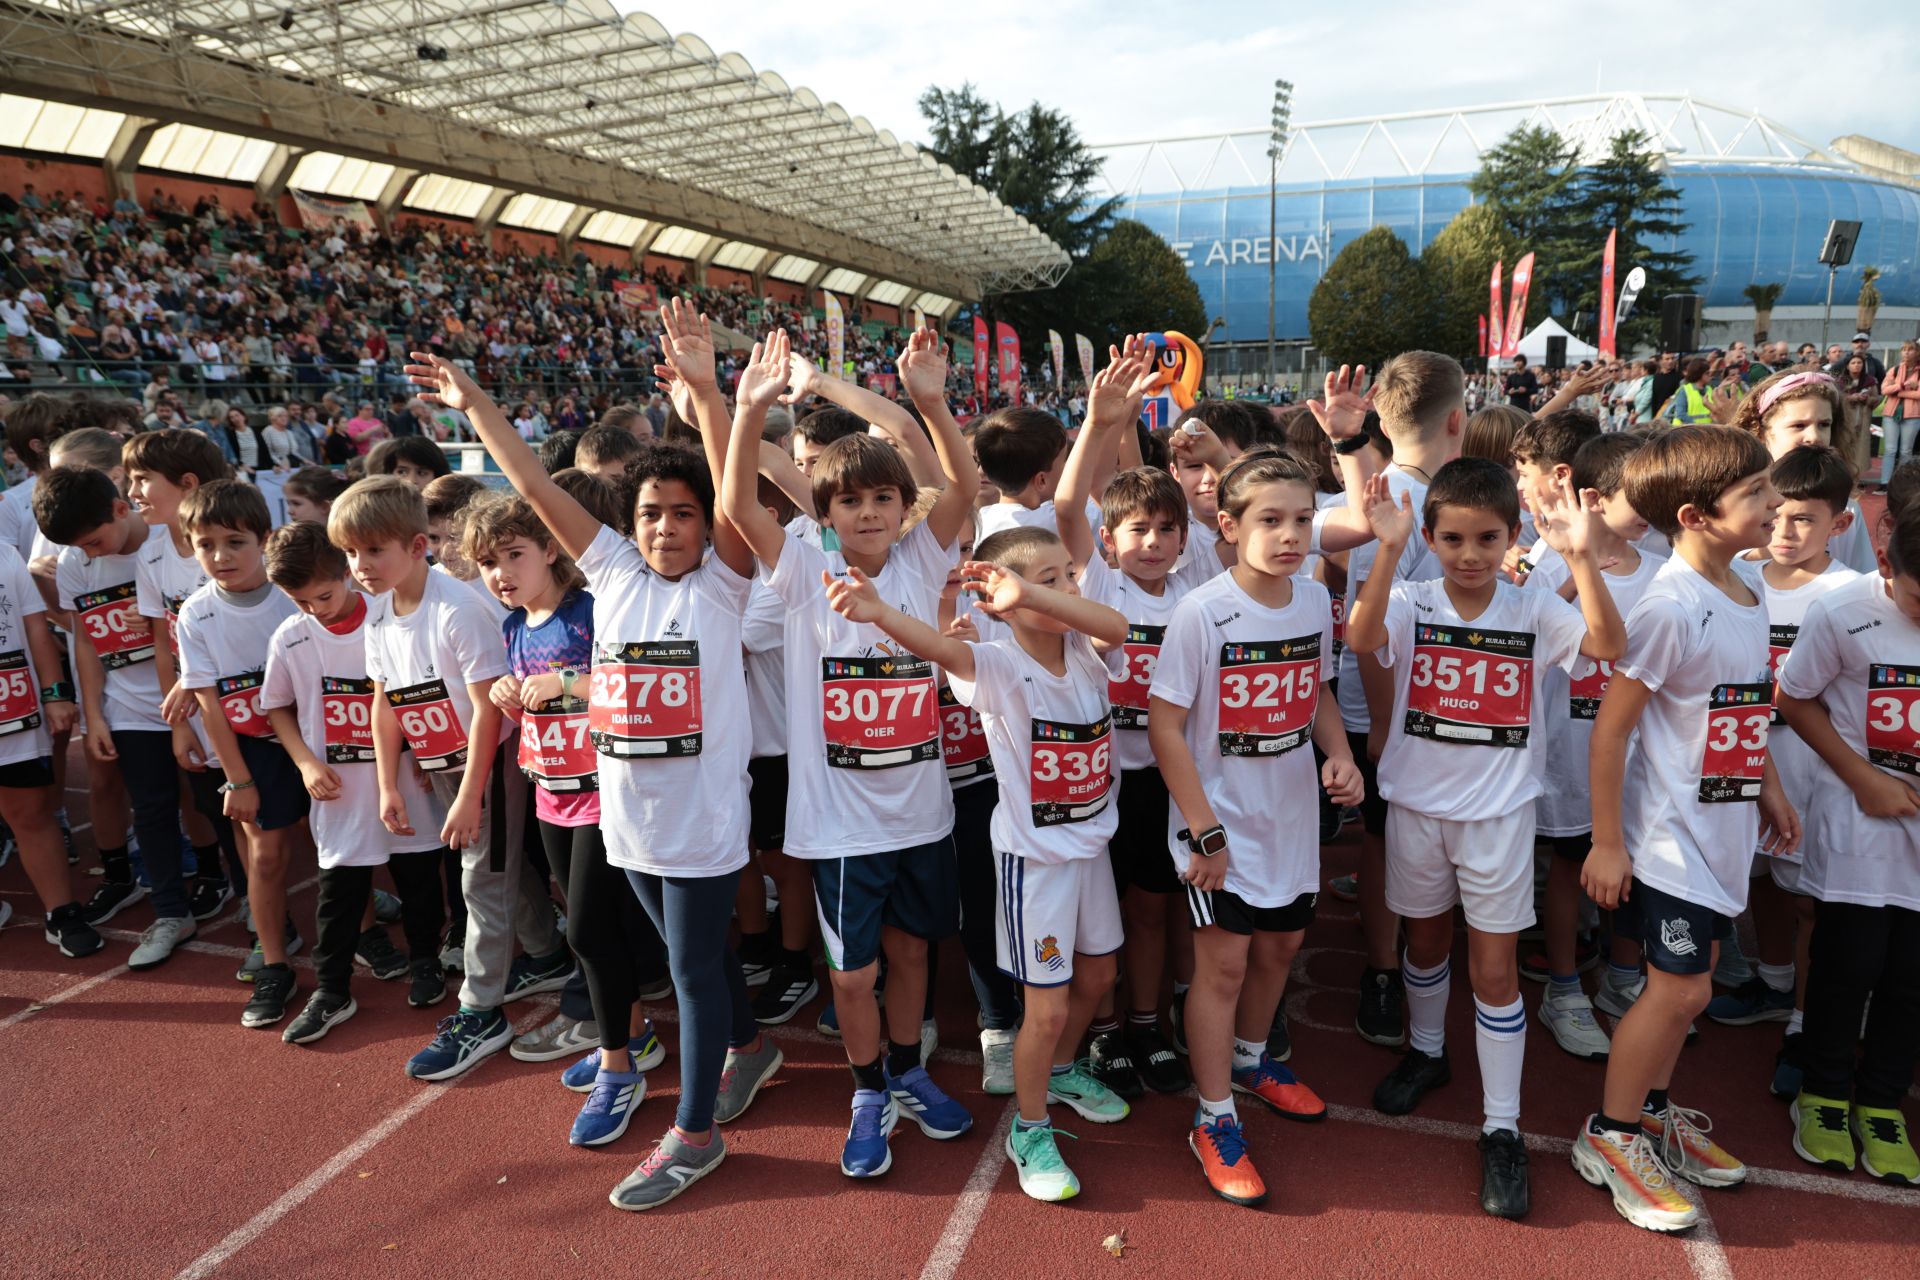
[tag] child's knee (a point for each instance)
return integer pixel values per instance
(850, 983)
(904, 948)
(1094, 974)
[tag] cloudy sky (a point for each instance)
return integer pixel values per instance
(1128, 71)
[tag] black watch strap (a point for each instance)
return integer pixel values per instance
(1352, 444)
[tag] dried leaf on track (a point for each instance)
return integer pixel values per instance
(1116, 1244)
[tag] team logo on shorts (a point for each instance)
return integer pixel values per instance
(1046, 951)
(1676, 935)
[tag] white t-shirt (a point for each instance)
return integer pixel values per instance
(103, 593)
(668, 712)
(1147, 617)
(1416, 564)
(997, 516)
(1860, 656)
(1705, 658)
(498, 611)
(224, 638)
(23, 730)
(17, 525)
(1051, 738)
(163, 579)
(426, 660)
(881, 784)
(1467, 741)
(323, 676)
(1565, 804)
(1799, 768)
(805, 528)
(1227, 654)
(763, 634)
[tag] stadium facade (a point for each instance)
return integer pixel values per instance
(1757, 199)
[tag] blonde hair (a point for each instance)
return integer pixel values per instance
(1415, 392)
(377, 510)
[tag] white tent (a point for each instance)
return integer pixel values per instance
(1534, 345)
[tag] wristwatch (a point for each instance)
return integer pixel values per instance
(1352, 444)
(231, 786)
(58, 691)
(567, 677)
(1210, 843)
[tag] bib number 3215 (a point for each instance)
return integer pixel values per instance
(1736, 751)
(1471, 687)
(1268, 692)
(879, 712)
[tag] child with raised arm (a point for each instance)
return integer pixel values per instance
(667, 714)
(868, 801)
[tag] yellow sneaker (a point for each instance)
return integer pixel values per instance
(1628, 1167)
(1685, 1148)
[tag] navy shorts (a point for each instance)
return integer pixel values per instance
(283, 796)
(767, 803)
(27, 774)
(1676, 936)
(1573, 848)
(1139, 851)
(1235, 915)
(1373, 807)
(916, 891)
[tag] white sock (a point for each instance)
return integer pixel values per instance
(1779, 977)
(1794, 1022)
(1246, 1054)
(1426, 1004)
(1500, 1037)
(1211, 1111)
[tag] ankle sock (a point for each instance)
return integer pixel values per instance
(1778, 977)
(867, 1075)
(1795, 1022)
(1208, 1111)
(1604, 1123)
(1656, 1103)
(1137, 1021)
(797, 957)
(118, 866)
(902, 1058)
(1022, 1123)
(1563, 984)
(1500, 1038)
(1246, 1054)
(1101, 1026)
(1621, 976)
(1059, 1069)
(1427, 991)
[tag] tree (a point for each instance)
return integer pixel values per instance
(1528, 179)
(1373, 302)
(1133, 282)
(1762, 296)
(1628, 191)
(1459, 263)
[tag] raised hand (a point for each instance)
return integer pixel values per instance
(678, 393)
(1344, 412)
(1000, 590)
(1563, 521)
(923, 366)
(442, 382)
(853, 596)
(1112, 400)
(688, 343)
(765, 376)
(803, 378)
(1392, 522)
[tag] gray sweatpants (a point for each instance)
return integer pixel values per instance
(503, 906)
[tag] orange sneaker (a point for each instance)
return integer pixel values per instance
(1630, 1169)
(1681, 1138)
(1277, 1086)
(1222, 1152)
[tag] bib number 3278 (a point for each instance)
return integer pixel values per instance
(879, 712)
(1736, 751)
(644, 699)
(1268, 692)
(1893, 717)
(1072, 771)
(1471, 687)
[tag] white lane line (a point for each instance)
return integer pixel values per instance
(1706, 1256)
(951, 1248)
(60, 997)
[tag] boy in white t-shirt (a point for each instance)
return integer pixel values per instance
(1675, 819)
(1022, 452)
(1041, 691)
(318, 699)
(1469, 655)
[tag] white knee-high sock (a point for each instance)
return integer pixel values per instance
(1427, 1004)
(1500, 1036)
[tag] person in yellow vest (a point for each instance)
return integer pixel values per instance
(1692, 403)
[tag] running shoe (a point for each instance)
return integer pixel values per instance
(1036, 1161)
(1570, 1018)
(787, 988)
(1382, 1016)
(453, 947)
(273, 987)
(929, 1038)
(1788, 1069)
(609, 1107)
(558, 1037)
(1412, 1078)
(110, 898)
(386, 907)
(1504, 1190)
(1221, 1149)
(1886, 1145)
(1733, 968)
(741, 1078)
(532, 975)
(1820, 1132)
(675, 1165)
(645, 1049)
(866, 1154)
(758, 954)
(927, 1104)
(1110, 1058)
(1160, 1067)
(1276, 1085)
(1346, 888)
(66, 838)
(996, 1062)
(1076, 1087)
(376, 951)
(658, 988)
(1752, 1001)
(324, 1011)
(160, 939)
(210, 894)
(67, 929)
(1629, 1168)
(463, 1041)
(1686, 1149)
(427, 984)
(828, 1023)
(256, 958)
(1177, 1022)
(1615, 998)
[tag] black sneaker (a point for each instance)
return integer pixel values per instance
(386, 907)
(758, 954)
(1279, 1038)
(66, 838)
(320, 1016)
(786, 989)
(453, 947)
(1503, 1174)
(1383, 1008)
(1111, 1061)
(273, 987)
(1177, 1022)
(1160, 1067)
(376, 951)
(209, 895)
(1410, 1080)
(67, 929)
(109, 899)
(429, 984)
(531, 975)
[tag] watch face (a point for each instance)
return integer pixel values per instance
(1213, 843)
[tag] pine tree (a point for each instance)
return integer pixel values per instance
(1373, 302)
(1626, 190)
(1529, 178)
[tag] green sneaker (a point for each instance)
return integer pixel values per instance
(1820, 1132)
(1078, 1089)
(1036, 1158)
(1886, 1148)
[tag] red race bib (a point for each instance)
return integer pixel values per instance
(19, 700)
(962, 740)
(1129, 694)
(1736, 753)
(1470, 686)
(111, 620)
(346, 719)
(556, 748)
(1268, 693)
(1779, 645)
(170, 607)
(1070, 771)
(1589, 685)
(1339, 604)
(1893, 717)
(879, 712)
(644, 699)
(428, 722)
(240, 703)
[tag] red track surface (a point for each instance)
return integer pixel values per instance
(148, 1135)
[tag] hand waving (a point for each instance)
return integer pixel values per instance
(765, 376)
(1000, 590)
(853, 596)
(442, 382)
(1563, 520)
(1344, 413)
(1392, 522)
(688, 343)
(923, 366)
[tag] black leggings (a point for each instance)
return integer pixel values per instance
(344, 892)
(1857, 951)
(616, 944)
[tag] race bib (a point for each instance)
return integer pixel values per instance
(1589, 685)
(1893, 717)
(556, 747)
(879, 712)
(1129, 693)
(432, 730)
(170, 607)
(111, 619)
(1470, 686)
(240, 704)
(1736, 752)
(644, 699)
(1339, 604)
(1779, 645)
(1268, 692)
(19, 700)
(346, 719)
(962, 740)
(1071, 770)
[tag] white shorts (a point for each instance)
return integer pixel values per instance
(1486, 866)
(1785, 872)
(1047, 912)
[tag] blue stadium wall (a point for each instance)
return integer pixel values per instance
(1747, 224)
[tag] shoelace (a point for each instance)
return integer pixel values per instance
(1834, 1119)
(1228, 1143)
(1684, 1127)
(1645, 1164)
(656, 1161)
(866, 1119)
(1882, 1128)
(1044, 1156)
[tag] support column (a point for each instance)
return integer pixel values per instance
(122, 161)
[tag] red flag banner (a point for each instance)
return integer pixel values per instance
(981, 359)
(1009, 343)
(1494, 315)
(1517, 309)
(1607, 339)
(1483, 336)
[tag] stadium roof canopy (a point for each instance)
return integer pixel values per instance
(562, 100)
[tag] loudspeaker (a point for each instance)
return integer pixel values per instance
(1680, 322)
(1837, 249)
(1557, 351)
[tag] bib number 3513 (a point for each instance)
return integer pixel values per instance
(1268, 692)
(1893, 717)
(1470, 687)
(879, 712)
(1736, 750)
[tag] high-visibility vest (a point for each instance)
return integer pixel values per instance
(1697, 412)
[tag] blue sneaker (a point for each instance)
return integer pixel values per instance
(462, 1042)
(1750, 1002)
(1787, 1070)
(927, 1105)
(829, 1022)
(647, 1052)
(867, 1154)
(609, 1107)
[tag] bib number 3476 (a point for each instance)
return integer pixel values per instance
(879, 712)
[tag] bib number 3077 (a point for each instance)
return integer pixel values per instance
(879, 712)
(1893, 717)
(1470, 687)
(1736, 751)
(1071, 771)
(1268, 692)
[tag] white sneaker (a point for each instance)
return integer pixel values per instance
(996, 1062)
(1570, 1019)
(1614, 999)
(160, 939)
(929, 1039)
